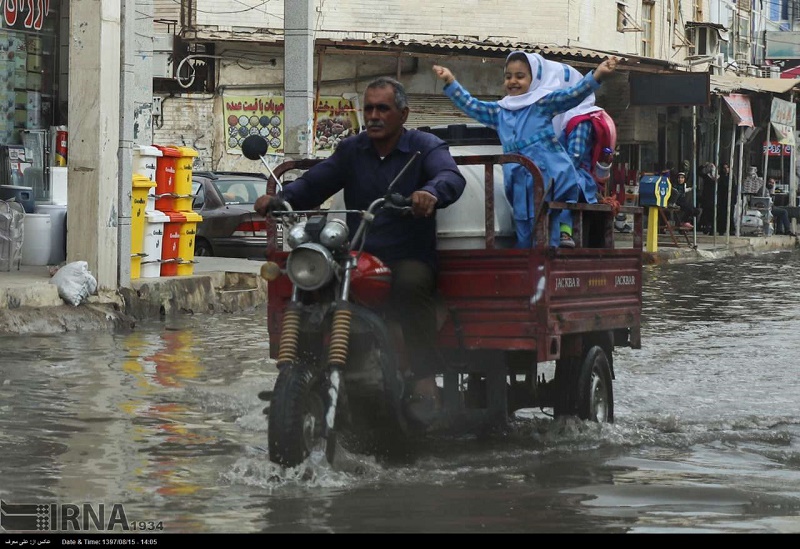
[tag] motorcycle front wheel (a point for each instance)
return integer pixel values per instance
(296, 424)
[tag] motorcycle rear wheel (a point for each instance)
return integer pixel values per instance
(297, 416)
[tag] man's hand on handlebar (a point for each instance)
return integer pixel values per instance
(423, 204)
(266, 204)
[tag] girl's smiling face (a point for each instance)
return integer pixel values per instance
(517, 78)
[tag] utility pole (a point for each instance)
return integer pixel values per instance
(298, 57)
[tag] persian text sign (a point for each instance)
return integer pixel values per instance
(739, 105)
(782, 116)
(251, 115)
(336, 119)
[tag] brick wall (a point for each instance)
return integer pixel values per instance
(187, 121)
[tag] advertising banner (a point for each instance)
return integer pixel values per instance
(782, 116)
(739, 104)
(244, 115)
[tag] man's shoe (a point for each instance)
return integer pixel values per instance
(566, 241)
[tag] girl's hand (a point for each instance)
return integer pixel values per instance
(605, 68)
(444, 74)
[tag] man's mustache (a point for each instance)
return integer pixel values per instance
(375, 124)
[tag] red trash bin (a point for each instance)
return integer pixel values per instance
(170, 243)
(165, 178)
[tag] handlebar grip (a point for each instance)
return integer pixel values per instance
(397, 200)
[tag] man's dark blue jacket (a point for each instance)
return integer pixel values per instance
(356, 167)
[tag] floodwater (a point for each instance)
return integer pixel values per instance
(166, 422)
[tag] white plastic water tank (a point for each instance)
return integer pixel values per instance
(462, 225)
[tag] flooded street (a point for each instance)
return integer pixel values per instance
(166, 421)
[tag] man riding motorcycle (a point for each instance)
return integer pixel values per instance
(364, 165)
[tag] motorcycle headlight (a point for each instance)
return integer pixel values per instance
(334, 234)
(310, 266)
(297, 235)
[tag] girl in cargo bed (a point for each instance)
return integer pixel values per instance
(524, 122)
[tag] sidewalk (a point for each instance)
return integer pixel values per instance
(30, 304)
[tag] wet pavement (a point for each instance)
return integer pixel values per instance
(30, 304)
(165, 421)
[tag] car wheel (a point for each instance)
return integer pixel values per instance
(202, 248)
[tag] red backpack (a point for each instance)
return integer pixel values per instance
(605, 132)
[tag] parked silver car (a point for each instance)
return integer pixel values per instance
(230, 227)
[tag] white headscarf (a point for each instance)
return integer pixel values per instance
(549, 76)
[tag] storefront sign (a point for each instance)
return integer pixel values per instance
(25, 14)
(776, 149)
(739, 105)
(682, 89)
(782, 116)
(337, 118)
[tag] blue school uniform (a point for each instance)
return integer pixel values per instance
(529, 131)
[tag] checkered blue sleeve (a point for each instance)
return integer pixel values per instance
(485, 112)
(578, 141)
(564, 99)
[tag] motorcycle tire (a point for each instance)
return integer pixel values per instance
(296, 422)
(584, 387)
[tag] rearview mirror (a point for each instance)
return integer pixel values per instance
(254, 147)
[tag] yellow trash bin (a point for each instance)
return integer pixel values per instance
(141, 187)
(186, 243)
(183, 178)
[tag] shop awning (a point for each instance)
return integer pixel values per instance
(728, 84)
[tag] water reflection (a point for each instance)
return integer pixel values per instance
(166, 420)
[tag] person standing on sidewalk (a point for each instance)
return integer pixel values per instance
(708, 190)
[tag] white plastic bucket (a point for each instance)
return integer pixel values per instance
(58, 185)
(153, 243)
(58, 231)
(36, 237)
(145, 160)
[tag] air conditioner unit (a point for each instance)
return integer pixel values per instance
(703, 41)
(162, 55)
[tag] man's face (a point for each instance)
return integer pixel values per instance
(383, 119)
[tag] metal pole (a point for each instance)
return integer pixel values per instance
(716, 163)
(739, 193)
(766, 158)
(694, 172)
(728, 211)
(767, 231)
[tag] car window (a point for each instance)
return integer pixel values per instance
(199, 196)
(241, 191)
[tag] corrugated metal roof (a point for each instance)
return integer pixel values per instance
(457, 44)
(729, 84)
(435, 110)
